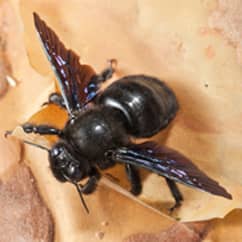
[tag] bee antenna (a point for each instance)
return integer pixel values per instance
(78, 187)
(36, 145)
(7, 133)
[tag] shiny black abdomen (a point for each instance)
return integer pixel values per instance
(146, 102)
(95, 131)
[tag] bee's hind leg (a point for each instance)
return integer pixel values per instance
(175, 193)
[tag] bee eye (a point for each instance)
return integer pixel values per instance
(58, 157)
(70, 170)
(55, 152)
(73, 172)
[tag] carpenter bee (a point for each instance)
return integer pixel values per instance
(101, 124)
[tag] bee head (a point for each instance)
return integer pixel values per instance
(64, 165)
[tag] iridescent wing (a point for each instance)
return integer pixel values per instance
(73, 77)
(169, 164)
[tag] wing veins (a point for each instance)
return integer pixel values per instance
(72, 77)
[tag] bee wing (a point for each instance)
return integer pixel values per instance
(170, 164)
(73, 78)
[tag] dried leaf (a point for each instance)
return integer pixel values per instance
(24, 215)
(202, 130)
(150, 37)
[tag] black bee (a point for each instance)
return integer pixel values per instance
(98, 132)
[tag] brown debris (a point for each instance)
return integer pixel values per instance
(105, 223)
(179, 232)
(100, 235)
(24, 216)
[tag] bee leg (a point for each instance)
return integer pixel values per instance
(175, 193)
(97, 80)
(134, 178)
(41, 129)
(108, 72)
(91, 184)
(57, 99)
(93, 87)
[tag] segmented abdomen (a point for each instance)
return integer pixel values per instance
(147, 103)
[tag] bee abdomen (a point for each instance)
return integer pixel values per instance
(147, 103)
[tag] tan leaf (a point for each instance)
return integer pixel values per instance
(170, 40)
